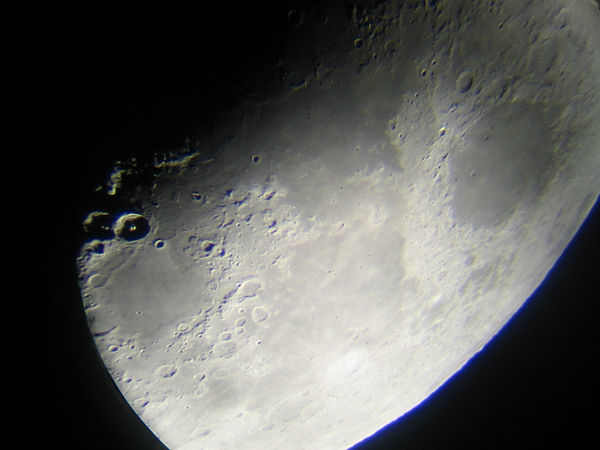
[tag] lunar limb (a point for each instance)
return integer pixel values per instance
(366, 229)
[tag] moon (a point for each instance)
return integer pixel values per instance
(366, 228)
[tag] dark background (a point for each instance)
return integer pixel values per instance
(100, 82)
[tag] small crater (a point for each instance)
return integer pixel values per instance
(98, 225)
(97, 280)
(140, 403)
(166, 371)
(390, 46)
(199, 377)
(200, 391)
(464, 81)
(225, 336)
(159, 243)
(207, 246)
(97, 247)
(358, 43)
(259, 314)
(131, 227)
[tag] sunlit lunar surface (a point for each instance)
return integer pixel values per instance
(353, 237)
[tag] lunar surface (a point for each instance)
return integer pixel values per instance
(361, 225)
